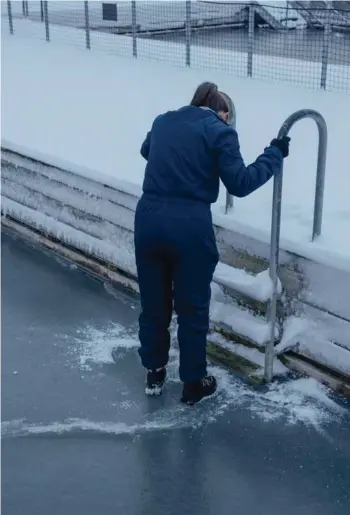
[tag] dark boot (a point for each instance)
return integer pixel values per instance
(155, 381)
(196, 391)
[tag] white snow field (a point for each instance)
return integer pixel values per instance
(91, 110)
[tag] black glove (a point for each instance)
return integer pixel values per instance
(282, 145)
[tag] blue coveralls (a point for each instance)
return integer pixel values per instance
(188, 151)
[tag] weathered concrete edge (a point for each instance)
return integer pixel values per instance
(287, 251)
(249, 370)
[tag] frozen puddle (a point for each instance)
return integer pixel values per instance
(300, 401)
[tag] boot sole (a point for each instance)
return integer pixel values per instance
(193, 402)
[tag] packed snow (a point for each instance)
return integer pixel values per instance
(88, 109)
(242, 322)
(313, 335)
(258, 287)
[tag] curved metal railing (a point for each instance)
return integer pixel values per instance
(276, 217)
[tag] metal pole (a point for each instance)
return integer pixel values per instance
(229, 197)
(41, 10)
(251, 19)
(27, 8)
(188, 32)
(23, 8)
(325, 47)
(9, 12)
(274, 260)
(320, 175)
(46, 18)
(134, 28)
(276, 218)
(87, 25)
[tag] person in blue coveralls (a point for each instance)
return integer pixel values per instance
(187, 151)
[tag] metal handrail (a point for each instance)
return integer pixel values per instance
(276, 218)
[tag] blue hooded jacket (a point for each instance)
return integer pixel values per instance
(189, 150)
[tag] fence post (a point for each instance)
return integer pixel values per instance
(251, 19)
(9, 12)
(188, 32)
(87, 25)
(41, 10)
(325, 47)
(46, 18)
(287, 15)
(134, 28)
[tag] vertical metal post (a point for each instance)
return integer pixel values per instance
(274, 260)
(46, 18)
(188, 32)
(87, 25)
(229, 197)
(325, 47)
(9, 12)
(276, 218)
(27, 8)
(41, 10)
(287, 15)
(23, 8)
(134, 28)
(320, 174)
(251, 20)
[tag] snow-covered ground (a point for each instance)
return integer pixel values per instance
(93, 109)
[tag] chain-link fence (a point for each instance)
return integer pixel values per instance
(304, 43)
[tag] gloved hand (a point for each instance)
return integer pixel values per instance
(282, 145)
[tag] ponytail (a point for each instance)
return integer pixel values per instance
(208, 95)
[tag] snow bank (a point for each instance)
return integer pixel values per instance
(63, 102)
(265, 67)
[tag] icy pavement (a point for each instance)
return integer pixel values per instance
(79, 436)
